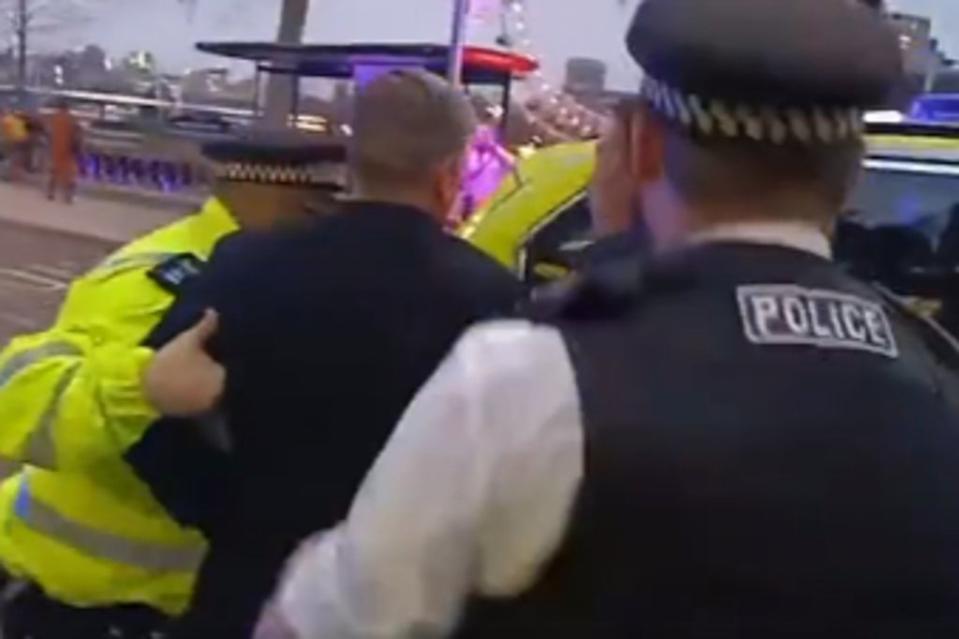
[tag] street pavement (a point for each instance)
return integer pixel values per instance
(36, 266)
(44, 245)
(114, 216)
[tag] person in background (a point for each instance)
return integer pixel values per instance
(36, 131)
(16, 138)
(89, 552)
(65, 136)
(325, 335)
(736, 440)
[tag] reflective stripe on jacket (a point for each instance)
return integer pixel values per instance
(77, 521)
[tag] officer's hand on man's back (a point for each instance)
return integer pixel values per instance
(183, 380)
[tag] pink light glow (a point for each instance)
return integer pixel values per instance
(488, 164)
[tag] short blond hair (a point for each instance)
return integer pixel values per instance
(407, 122)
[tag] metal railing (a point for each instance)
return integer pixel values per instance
(168, 107)
(147, 143)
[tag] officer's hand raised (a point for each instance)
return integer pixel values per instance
(183, 380)
(612, 194)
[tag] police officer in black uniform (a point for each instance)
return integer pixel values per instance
(739, 440)
(326, 331)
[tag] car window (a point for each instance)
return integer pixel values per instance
(903, 216)
(550, 250)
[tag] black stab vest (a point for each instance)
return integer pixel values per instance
(736, 488)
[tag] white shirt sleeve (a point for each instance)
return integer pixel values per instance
(472, 494)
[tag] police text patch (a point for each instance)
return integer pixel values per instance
(175, 272)
(792, 315)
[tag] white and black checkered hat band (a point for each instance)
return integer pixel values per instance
(308, 174)
(717, 118)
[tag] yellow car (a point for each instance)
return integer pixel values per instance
(540, 206)
(901, 227)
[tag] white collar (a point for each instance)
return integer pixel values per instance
(797, 235)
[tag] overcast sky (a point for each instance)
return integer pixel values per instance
(561, 28)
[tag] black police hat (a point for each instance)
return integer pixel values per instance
(279, 158)
(775, 71)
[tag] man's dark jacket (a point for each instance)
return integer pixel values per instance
(326, 334)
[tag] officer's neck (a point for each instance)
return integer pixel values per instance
(798, 222)
(786, 233)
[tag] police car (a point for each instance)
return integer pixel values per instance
(901, 226)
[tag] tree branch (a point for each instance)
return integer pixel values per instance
(47, 15)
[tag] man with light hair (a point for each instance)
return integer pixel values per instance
(405, 121)
(324, 334)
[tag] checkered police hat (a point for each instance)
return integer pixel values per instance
(280, 158)
(770, 71)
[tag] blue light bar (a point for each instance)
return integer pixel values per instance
(936, 107)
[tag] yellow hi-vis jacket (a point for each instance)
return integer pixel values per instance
(77, 522)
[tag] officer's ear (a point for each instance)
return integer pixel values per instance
(647, 145)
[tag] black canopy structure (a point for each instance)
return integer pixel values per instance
(481, 65)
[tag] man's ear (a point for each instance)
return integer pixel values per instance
(454, 171)
(447, 181)
(647, 146)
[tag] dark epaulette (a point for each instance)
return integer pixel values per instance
(943, 346)
(943, 349)
(175, 272)
(608, 290)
